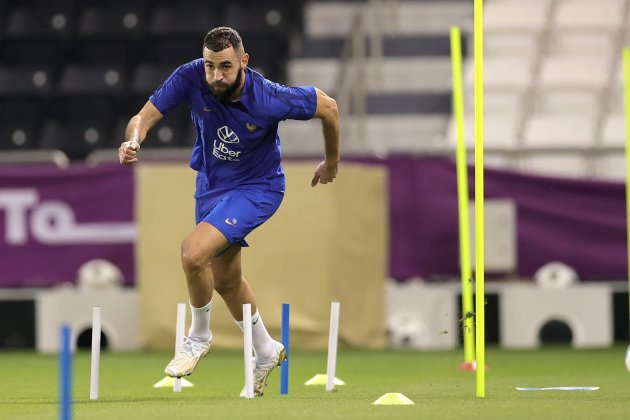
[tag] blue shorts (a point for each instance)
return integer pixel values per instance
(237, 212)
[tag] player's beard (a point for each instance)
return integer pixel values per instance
(226, 94)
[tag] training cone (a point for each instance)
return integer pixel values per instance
(168, 382)
(320, 379)
(393, 398)
(470, 366)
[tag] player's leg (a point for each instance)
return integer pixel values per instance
(235, 290)
(197, 252)
(229, 282)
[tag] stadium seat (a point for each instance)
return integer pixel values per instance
(378, 135)
(612, 166)
(614, 131)
(507, 79)
(258, 18)
(84, 107)
(91, 80)
(516, 16)
(523, 45)
(145, 78)
(597, 45)
(426, 74)
(267, 55)
(564, 164)
(396, 74)
(171, 52)
(78, 125)
(19, 133)
(316, 72)
(388, 134)
(500, 131)
(496, 102)
(40, 18)
(562, 101)
(302, 138)
(266, 28)
(37, 32)
(51, 52)
(184, 18)
(25, 81)
(169, 132)
(558, 131)
(409, 103)
(401, 46)
(616, 103)
(431, 17)
(113, 19)
(586, 72)
(76, 138)
(586, 15)
(502, 73)
(571, 84)
(334, 18)
(20, 121)
(102, 51)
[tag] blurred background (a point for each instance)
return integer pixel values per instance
(78, 230)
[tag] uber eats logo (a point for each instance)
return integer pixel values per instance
(221, 147)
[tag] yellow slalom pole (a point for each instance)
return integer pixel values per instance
(468, 325)
(626, 78)
(479, 194)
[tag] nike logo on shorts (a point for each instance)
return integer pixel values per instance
(231, 222)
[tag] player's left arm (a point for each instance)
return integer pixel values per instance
(329, 114)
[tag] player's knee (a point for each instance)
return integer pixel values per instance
(193, 259)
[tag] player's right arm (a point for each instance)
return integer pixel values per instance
(137, 129)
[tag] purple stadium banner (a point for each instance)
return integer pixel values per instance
(53, 220)
(578, 222)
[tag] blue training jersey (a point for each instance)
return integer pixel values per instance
(237, 143)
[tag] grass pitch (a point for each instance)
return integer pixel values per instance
(29, 388)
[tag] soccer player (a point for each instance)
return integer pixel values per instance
(240, 181)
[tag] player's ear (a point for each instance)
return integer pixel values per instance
(244, 60)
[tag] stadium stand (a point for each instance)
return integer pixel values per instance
(405, 73)
(567, 89)
(72, 72)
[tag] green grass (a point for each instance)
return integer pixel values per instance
(28, 388)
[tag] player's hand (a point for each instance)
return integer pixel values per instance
(326, 172)
(128, 152)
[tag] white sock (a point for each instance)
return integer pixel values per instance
(200, 323)
(261, 340)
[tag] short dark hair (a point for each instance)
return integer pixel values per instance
(221, 38)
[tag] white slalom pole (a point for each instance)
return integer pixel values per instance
(332, 346)
(247, 350)
(179, 339)
(96, 351)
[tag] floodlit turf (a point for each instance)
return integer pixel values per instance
(28, 389)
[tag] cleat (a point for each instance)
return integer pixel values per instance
(185, 361)
(264, 368)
